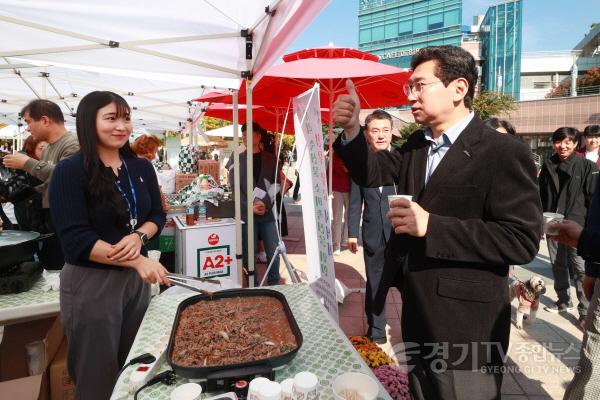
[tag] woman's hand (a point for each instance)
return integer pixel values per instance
(128, 248)
(152, 271)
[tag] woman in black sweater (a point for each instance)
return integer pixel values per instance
(105, 204)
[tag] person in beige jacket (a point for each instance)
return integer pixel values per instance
(46, 122)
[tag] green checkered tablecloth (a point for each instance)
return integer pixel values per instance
(30, 304)
(326, 351)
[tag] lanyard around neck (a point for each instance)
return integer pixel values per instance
(131, 210)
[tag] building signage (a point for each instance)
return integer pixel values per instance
(399, 53)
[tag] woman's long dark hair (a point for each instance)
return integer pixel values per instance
(101, 184)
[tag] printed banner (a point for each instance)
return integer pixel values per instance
(315, 205)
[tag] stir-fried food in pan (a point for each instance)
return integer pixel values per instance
(232, 330)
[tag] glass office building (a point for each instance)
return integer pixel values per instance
(500, 35)
(396, 29)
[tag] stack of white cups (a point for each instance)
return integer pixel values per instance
(304, 386)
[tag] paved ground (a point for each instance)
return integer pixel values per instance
(541, 355)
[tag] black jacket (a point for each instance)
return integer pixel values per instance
(266, 180)
(587, 246)
(578, 176)
(485, 214)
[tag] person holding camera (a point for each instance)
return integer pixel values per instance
(46, 122)
(27, 200)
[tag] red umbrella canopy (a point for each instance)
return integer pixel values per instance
(269, 118)
(330, 52)
(377, 85)
(218, 96)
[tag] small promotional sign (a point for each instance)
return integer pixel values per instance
(214, 261)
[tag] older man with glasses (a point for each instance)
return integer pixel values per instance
(475, 211)
(376, 229)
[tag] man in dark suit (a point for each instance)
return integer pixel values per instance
(476, 210)
(376, 229)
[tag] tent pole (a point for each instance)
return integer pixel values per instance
(236, 190)
(250, 183)
(330, 138)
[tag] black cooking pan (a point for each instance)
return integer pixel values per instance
(269, 363)
(17, 247)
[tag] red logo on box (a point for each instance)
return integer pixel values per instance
(213, 239)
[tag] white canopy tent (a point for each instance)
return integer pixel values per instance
(9, 132)
(15, 134)
(146, 49)
(226, 131)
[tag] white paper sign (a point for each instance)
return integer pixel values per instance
(259, 193)
(315, 205)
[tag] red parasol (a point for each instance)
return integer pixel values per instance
(271, 119)
(377, 84)
(330, 52)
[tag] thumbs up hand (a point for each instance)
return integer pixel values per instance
(346, 109)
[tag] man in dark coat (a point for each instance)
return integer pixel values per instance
(376, 229)
(586, 382)
(476, 210)
(567, 183)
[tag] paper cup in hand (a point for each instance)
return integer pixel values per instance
(355, 385)
(393, 197)
(154, 255)
(306, 386)
(550, 219)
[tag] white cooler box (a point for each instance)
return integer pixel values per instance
(206, 250)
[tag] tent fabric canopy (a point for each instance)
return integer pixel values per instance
(177, 42)
(156, 104)
(160, 56)
(9, 132)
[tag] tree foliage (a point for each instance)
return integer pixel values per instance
(405, 132)
(590, 78)
(287, 142)
(210, 123)
(490, 104)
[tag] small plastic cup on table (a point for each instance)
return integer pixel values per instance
(306, 386)
(269, 391)
(287, 387)
(187, 391)
(254, 387)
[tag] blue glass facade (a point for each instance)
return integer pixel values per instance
(396, 29)
(500, 34)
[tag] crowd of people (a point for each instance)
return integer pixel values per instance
(476, 209)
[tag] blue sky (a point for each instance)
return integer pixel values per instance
(545, 23)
